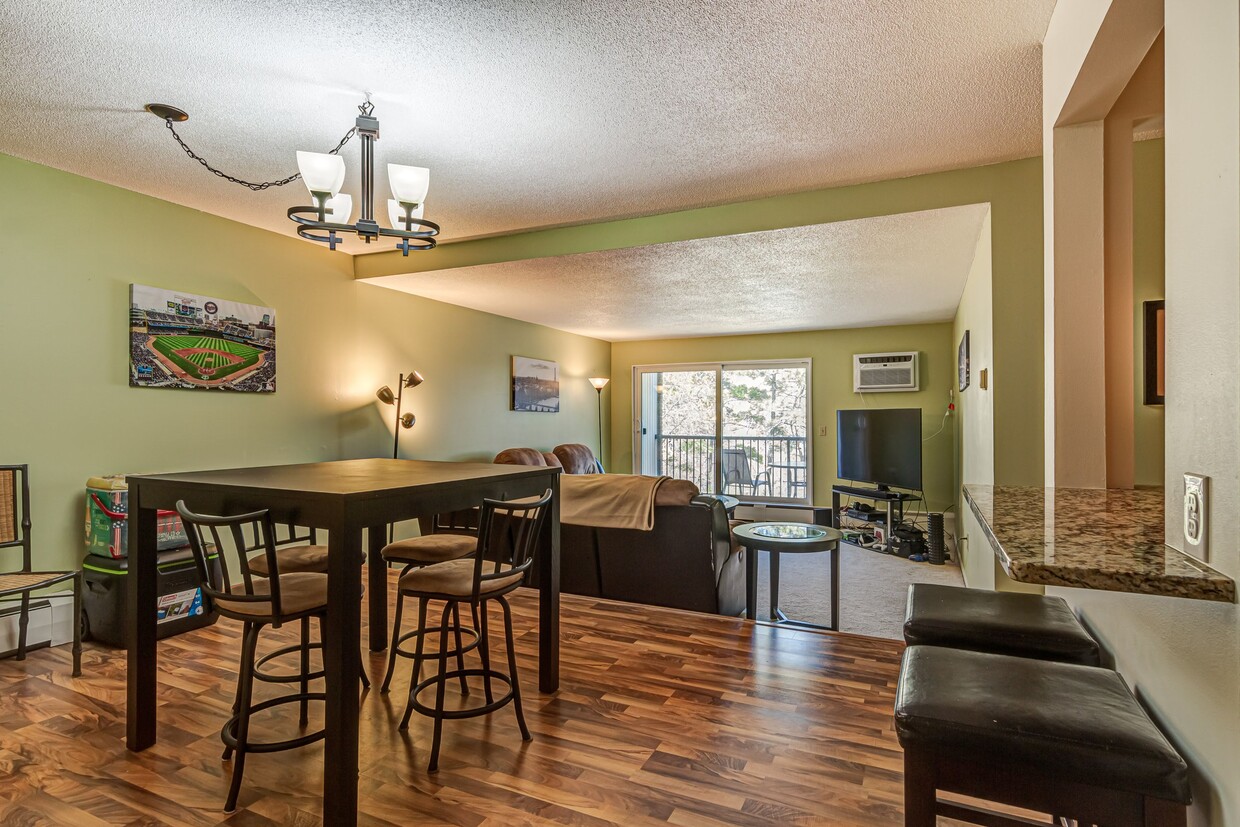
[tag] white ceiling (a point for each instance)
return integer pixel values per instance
(896, 269)
(528, 112)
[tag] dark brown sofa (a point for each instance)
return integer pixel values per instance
(686, 562)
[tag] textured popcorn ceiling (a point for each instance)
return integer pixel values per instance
(896, 269)
(528, 113)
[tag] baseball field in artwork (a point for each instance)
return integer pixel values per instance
(188, 341)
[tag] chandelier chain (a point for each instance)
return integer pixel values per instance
(256, 187)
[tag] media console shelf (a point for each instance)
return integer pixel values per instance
(895, 506)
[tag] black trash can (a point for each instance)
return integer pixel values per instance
(105, 596)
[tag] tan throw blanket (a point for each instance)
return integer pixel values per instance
(609, 500)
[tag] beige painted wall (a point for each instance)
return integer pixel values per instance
(831, 352)
(975, 424)
(68, 411)
(1182, 656)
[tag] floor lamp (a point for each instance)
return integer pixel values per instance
(405, 421)
(600, 382)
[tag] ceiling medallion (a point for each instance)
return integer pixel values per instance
(323, 174)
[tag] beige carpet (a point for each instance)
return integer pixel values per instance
(873, 588)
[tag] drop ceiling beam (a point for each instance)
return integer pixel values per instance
(921, 192)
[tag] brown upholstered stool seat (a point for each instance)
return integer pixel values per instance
(1004, 623)
(430, 548)
(300, 591)
(292, 559)
(454, 578)
(1061, 722)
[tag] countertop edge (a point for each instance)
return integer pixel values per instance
(1219, 590)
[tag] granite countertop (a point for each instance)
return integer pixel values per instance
(1110, 539)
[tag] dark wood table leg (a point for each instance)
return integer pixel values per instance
(773, 556)
(377, 585)
(549, 599)
(835, 587)
(143, 661)
(342, 660)
(751, 583)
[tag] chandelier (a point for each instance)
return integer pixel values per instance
(323, 175)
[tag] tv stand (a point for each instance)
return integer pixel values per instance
(895, 506)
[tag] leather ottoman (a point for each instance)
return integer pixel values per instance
(1058, 738)
(1005, 623)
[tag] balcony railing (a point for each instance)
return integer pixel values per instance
(756, 466)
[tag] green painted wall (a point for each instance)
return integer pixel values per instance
(1148, 266)
(831, 352)
(68, 411)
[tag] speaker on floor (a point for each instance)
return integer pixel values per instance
(937, 553)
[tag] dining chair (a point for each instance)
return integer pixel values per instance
(737, 471)
(15, 533)
(258, 602)
(508, 532)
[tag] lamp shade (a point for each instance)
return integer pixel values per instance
(396, 213)
(413, 379)
(386, 396)
(321, 171)
(599, 382)
(409, 184)
(339, 208)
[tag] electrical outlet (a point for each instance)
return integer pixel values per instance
(1196, 516)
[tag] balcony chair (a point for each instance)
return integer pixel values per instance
(736, 471)
(15, 533)
(507, 535)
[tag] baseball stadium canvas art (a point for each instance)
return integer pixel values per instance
(179, 340)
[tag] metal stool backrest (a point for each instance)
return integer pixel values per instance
(508, 532)
(15, 510)
(228, 534)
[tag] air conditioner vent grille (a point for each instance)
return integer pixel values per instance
(885, 372)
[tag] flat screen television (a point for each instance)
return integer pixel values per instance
(880, 446)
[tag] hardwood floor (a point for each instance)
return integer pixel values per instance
(664, 717)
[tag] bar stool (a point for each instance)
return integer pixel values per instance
(1059, 738)
(1004, 623)
(507, 534)
(257, 602)
(306, 555)
(417, 552)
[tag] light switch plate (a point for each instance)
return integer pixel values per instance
(1197, 516)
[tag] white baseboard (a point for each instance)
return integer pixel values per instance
(51, 619)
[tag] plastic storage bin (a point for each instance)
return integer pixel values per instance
(105, 596)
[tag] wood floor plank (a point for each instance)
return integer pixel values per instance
(664, 717)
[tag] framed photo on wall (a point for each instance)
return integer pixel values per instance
(182, 340)
(962, 359)
(535, 385)
(1155, 340)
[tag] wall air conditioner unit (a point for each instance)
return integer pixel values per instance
(884, 372)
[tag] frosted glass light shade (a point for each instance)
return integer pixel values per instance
(409, 184)
(396, 214)
(339, 208)
(599, 382)
(321, 171)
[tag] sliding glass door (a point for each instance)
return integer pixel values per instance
(735, 428)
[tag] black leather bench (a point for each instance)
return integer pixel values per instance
(1005, 623)
(1058, 738)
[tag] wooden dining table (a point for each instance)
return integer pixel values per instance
(344, 498)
